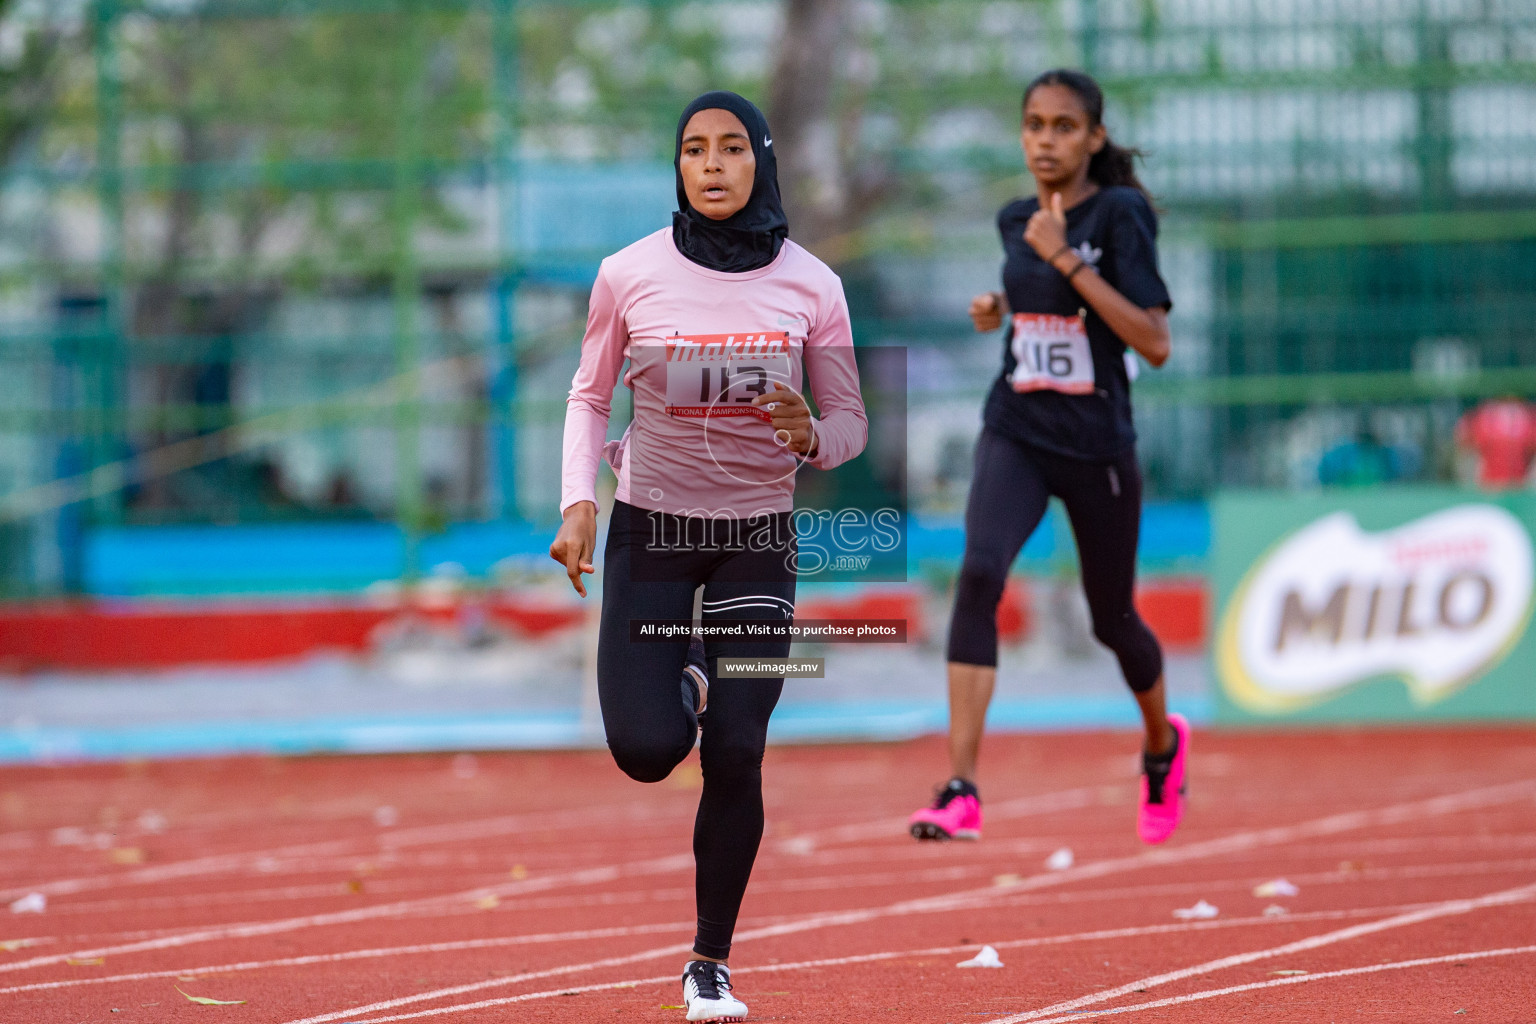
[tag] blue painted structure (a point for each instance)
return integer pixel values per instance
(792, 723)
(316, 558)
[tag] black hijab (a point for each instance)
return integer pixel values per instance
(752, 236)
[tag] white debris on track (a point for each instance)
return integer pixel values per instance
(986, 957)
(1060, 860)
(1201, 911)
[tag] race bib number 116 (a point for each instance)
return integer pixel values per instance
(720, 374)
(1051, 352)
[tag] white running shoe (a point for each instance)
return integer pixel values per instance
(707, 993)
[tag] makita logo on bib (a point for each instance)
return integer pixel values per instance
(708, 347)
(1435, 602)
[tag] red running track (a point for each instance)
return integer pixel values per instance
(548, 887)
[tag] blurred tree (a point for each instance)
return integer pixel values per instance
(28, 77)
(275, 154)
(831, 183)
(801, 90)
(271, 145)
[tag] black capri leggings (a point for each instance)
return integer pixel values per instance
(1010, 486)
(652, 565)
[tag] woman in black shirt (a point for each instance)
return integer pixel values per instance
(1081, 288)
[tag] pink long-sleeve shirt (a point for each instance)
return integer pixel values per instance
(701, 344)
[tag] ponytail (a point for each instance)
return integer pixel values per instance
(1116, 165)
(1112, 165)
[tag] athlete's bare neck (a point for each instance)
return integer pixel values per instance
(1072, 192)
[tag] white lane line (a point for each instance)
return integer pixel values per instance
(626, 931)
(1333, 824)
(1208, 887)
(1019, 807)
(770, 883)
(396, 839)
(365, 954)
(1244, 885)
(657, 979)
(228, 897)
(1355, 848)
(215, 864)
(421, 835)
(1241, 885)
(1212, 993)
(800, 965)
(1446, 909)
(1237, 842)
(325, 856)
(383, 886)
(826, 962)
(1437, 805)
(677, 949)
(588, 876)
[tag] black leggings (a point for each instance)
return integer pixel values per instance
(1010, 486)
(651, 567)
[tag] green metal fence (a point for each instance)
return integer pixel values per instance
(276, 260)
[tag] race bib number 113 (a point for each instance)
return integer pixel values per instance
(1051, 353)
(720, 374)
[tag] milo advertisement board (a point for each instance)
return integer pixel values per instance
(1384, 605)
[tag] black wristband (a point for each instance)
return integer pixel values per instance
(1066, 247)
(1080, 265)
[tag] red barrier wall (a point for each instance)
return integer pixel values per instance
(117, 636)
(1178, 611)
(88, 636)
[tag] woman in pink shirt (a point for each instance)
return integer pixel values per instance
(720, 318)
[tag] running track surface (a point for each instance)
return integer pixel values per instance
(548, 887)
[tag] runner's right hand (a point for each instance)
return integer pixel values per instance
(987, 311)
(575, 543)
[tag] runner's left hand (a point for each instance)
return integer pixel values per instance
(789, 413)
(1046, 231)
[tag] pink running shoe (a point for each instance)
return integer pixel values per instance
(1162, 787)
(955, 814)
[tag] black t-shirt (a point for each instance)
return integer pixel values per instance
(1115, 231)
